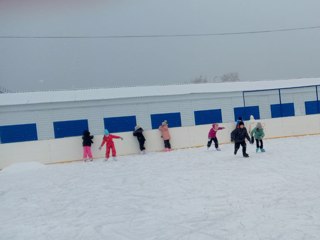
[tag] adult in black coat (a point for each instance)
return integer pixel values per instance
(239, 136)
(141, 139)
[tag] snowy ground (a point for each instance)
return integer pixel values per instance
(190, 194)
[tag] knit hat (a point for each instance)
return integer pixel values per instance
(136, 127)
(165, 122)
(259, 125)
(86, 133)
(252, 117)
(241, 123)
(106, 132)
(215, 124)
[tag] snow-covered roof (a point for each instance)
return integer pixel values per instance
(148, 91)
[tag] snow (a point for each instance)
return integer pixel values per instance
(191, 194)
(23, 167)
(148, 91)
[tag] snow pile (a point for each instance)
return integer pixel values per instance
(189, 194)
(22, 167)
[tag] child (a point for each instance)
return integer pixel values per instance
(212, 136)
(238, 136)
(108, 140)
(86, 143)
(164, 129)
(251, 125)
(258, 134)
(238, 121)
(141, 139)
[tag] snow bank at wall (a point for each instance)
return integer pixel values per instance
(70, 149)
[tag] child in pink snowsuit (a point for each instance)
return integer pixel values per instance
(212, 136)
(164, 129)
(108, 140)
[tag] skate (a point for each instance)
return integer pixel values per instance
(114, 159)
(91, 159)
(218, 149)
(262, 150)
(246, 155)
(257, 150)
(106, 159)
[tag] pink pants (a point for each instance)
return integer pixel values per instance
(87, 152)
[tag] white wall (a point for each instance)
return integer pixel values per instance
(70, 149)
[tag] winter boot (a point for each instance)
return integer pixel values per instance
(257, 150)
(106, 159)
(114, 159)
(218, 149)
(262, 150)
(246, 155)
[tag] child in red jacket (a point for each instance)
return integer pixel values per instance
(212, 136)
(108, 140)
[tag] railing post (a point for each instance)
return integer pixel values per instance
(280, 101)
(317, 99)
(244, 105)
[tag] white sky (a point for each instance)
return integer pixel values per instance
(43, 64)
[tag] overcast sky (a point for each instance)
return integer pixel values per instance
(47, 64)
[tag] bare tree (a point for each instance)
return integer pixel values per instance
(4, 90)
(199, 80)
(230, 77)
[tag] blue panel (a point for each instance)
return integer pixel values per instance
(312, 107)
(174, 119)
(245, 112)
(282, 110)
(18, 133)
(70, 128)
(208, 116)
(120, 124)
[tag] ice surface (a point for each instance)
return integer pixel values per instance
(191, 194)
(22, 167)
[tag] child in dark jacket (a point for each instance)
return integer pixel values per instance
(141, 139)
(238, 136)
(212, 136)
(86, 143)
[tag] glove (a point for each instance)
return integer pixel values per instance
(252, 140)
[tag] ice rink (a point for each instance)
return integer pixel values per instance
(190, 194)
